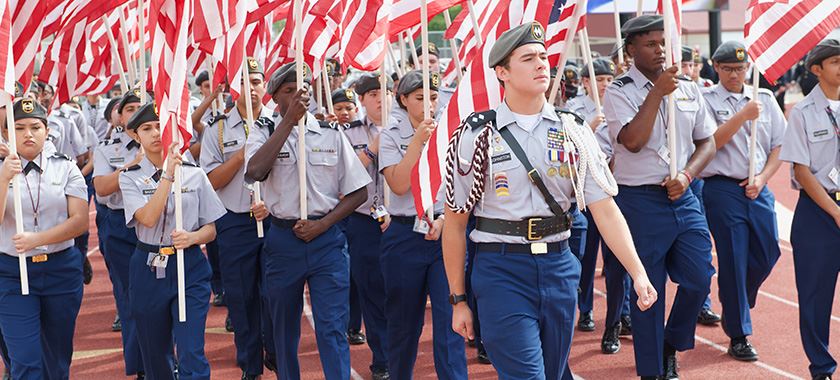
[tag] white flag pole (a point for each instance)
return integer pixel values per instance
(669, 61)
(115, 53)
(580, 10)
(453, 47)
(617, 20)
(753, 126)
(10, 128)
(132, 70)
(249, 118)
(593, 83)
(141, 5)
(179, 225)
(301, 148)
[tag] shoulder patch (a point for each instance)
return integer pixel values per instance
(561, 111)
(480, 119)
(132, 168)
(622, 80)
(61, 156)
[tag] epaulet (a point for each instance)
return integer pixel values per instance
(353, 124)
(685, 78)
(562, 111)
(188, 163)
(132, 168)
(328, 124)
(622, 80)
(480, 119)
(61, 156)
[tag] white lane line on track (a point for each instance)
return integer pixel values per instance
(720, 348)
(307, 311)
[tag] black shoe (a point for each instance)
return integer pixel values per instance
(141, 376)
(219, 299)
(228, 324)
(741, 349)
(246, 376)
(823, 376)
(482, 356)
(609, 342)
(270, 363)
(380, 374)
(585, 322)
(88, 271)
(671, 366)
(117, 325)
(707, 317)
(356, 337)
(626, 326)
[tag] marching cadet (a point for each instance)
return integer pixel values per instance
(665, 218)
(306, 252)
(38, 328)
(525, 276)
(742, 217)
(366, 225)
(150, 209)
(223, 159)
(344, 108)
(412, 262)
(811, 145)
(617, 321)
(111, 158)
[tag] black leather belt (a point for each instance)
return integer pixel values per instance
(531, 229)
(559, 246)
(406, 219)
(289, 223)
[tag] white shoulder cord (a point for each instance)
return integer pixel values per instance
(591, 159)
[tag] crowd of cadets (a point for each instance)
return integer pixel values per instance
(533, 192)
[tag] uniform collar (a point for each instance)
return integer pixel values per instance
(504, 116)
(639, 79)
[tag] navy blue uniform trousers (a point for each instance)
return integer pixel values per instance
(747, 244)
(413, 269)
(672, 240)
(289, 265)
(815, 238)
(38, 328)
(154, 307)
(240, 265)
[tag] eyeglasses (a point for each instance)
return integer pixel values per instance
(733, 69)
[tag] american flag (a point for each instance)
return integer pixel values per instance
(779, 33)
(480, 91)
(169, 29)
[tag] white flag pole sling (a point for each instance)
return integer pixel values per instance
(10, 128)
(301, 148)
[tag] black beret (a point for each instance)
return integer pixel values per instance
(414, 80)
(642, 24)
(146, 113)
(254, 67)
(531, 33)
(287, 73)
(132, 96)
(343, 95)
(730, 52)
(602, 66)
(370, 82)
(825, 49)
(202, 77)
(29, 109)
(110, 107)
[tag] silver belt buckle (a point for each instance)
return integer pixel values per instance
(539, 248)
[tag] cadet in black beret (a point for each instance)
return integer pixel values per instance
(370, 82)
(146, 113)
(414, 81)
(30, 109)
(825, 49)
(285, 74)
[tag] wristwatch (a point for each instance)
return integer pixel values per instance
(455, 299)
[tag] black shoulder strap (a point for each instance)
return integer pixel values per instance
(532, 173)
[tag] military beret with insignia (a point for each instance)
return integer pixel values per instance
(825, 49)
(254, 67)
(29, 109)
(642, 24)
(202, 77)
(369, 82)
(343, 95)
(414, 80)
(110, 107)
(531, 33)
(730, 52)
(287, 73)
(602, 66)
(146, 113)
(132, 96)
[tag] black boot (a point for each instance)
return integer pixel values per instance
(741, 349)
(585, 322)
(609, 342)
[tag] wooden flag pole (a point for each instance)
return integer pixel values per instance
(476, 28)
(325, 79)
(249, 118)
(132, 70)
(142, 17)
(617, 20)
(753, 126)
(10, 129)
(671, 110)
(179, 225)
(115, 53)
(640, 5)
(580, 10)
(593, 83)
(453, 47)
(301, 148)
